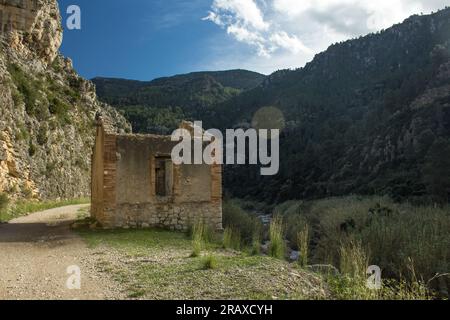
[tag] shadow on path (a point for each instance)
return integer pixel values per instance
(35, 232)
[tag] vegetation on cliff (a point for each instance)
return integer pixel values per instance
(47, 114)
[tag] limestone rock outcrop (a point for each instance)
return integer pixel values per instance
(32, 27)
(47, 111)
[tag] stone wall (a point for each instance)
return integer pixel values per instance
(173, 216)
(125, 185)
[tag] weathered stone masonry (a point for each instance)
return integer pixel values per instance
(135, 184)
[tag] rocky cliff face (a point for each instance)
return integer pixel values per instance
(47, 111)
(33, 27)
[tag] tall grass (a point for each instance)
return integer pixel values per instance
(277, 244)
(209, 262)
(197, 238)
(256, 242)
(352, 283)
(353, 260)
(303, 239)
(344, 287)
(231, 239)
(391, 232)
(240, 226)
(227, 238)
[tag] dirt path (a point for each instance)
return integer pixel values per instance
(35, 252)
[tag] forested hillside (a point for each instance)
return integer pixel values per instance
(367, 116)
(158, 106)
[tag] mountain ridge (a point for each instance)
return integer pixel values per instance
(111, 89)
(216, 74)
(356, 117)
(159, 105)
(366, 116)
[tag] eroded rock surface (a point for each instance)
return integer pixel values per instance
(47, 110)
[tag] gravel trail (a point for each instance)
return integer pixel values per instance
(36, 252)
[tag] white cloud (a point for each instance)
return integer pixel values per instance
(245, 21)
(351, 17)
(245, 12)
(291, 43)
(214, 17)
(244, 35)
(287, 33)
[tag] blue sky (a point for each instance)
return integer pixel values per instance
(145, 39)
(138, 39)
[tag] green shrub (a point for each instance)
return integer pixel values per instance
(209, 262)
(27, 87)
(31, 149)
(22, 132)
(30, 96)
(50, 167)
(58, 107)
(41, 137)
(277, 244)
(17, 97)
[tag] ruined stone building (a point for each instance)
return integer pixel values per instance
(135, 184)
